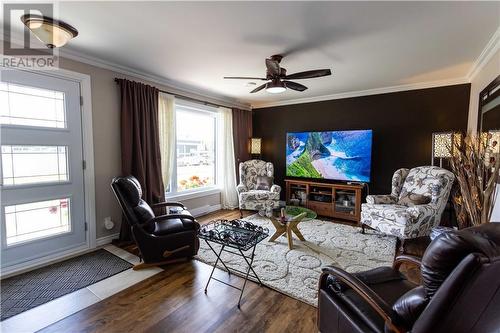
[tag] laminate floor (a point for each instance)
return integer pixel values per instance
(174, 301)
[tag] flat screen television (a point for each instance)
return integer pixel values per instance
(333, 155)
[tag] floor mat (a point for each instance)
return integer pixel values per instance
(296, 272)
(26, 291)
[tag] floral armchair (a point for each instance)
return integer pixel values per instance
(415, 205)
(249, 197)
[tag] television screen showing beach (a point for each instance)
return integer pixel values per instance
(338, 155)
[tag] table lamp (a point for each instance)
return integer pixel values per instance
(255, 147)
(443, 144)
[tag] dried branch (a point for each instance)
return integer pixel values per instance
(476, 178)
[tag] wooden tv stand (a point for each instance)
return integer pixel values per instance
(340, 201)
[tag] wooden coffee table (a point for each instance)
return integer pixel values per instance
(293, 216)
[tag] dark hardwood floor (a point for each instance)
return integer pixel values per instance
(174, 301)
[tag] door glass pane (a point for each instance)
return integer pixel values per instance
(29, 106)
(26, 222)
(195, 149)
(34, 164)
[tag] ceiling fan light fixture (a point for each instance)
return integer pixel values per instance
(51, 32)
(275, 87)
(277, 79)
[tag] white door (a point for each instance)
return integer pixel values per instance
(41, 173)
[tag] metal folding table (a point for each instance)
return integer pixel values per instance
(238, 235)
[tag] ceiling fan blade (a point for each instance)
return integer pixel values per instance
(295, 86)
(273, 67)
(259, 88)
(309, 74)
(245, 78)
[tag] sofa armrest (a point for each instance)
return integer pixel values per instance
(167, 217)
(241, 188)
(406, 259)
(381, 199)
(167, 204)
(275, 188)
(417, 212)
(367, 294)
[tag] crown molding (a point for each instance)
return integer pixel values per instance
(174, 86)
(491, 48)
(376, 91)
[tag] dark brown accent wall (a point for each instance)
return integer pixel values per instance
(402, 124)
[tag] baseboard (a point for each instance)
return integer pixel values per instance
(204, 210)
(106, 239)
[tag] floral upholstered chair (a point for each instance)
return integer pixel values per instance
(415, 205)
(256, 190)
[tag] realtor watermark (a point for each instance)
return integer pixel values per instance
(23, 50)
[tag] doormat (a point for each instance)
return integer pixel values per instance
(28, 290)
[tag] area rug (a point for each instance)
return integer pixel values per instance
(26, 291)
(296, 272)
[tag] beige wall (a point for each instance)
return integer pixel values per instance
(487, 74)
(107, 156)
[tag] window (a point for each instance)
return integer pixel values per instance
(30, 106)
(196, 129)
(25, 222)
(34, 164)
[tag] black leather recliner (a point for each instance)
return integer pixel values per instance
(460, 291)
(160, 239)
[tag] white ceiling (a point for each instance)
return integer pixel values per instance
(366, 44)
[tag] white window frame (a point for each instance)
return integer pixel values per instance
(206, 190)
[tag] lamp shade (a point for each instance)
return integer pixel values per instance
(444, 143)
(275, 87)
(51, 32)
(255, 145)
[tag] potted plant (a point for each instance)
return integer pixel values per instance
(475, 163)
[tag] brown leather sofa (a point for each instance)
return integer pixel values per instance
(160, 239)
(460, 291)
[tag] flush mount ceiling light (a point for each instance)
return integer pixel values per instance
(275, 87)
(51, 32)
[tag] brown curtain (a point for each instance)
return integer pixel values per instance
(140, 141)
(242, 132)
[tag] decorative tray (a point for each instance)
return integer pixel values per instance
(238, 234)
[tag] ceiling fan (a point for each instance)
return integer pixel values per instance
(278, 80)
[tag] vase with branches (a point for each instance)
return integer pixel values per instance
(476, 168)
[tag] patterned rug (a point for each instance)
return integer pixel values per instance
(296, 272)
(26, 291)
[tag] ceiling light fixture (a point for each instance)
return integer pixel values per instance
(275, 87)
(51, 32)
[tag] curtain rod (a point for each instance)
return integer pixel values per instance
(182, 96)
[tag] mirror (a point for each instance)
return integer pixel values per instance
(489, 108)
(489, 118)
(489, 121)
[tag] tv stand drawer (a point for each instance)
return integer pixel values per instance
(321, 208)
